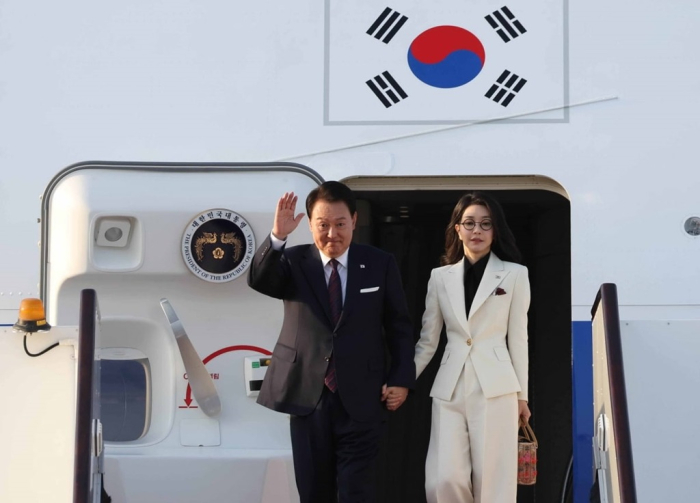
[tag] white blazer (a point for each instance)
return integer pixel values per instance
(498, 314)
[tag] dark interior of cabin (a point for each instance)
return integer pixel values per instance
(411, 225)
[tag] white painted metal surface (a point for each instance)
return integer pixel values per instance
(235, 82)
(662, 379)
(38, 427)
(147, 81)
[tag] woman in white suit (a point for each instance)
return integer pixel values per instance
(481, 296)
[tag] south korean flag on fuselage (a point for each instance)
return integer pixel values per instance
(444, 61)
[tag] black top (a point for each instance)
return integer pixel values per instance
(472, 277)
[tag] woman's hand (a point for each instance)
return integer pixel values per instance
(523, 410)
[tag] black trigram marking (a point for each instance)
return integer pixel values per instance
(507, 85)
(512, 26)
(384, 86)
(388, 20)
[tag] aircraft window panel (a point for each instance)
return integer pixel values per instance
(125, 399)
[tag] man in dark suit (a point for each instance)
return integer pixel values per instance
(344, 306)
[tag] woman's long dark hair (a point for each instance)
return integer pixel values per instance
(503, 240)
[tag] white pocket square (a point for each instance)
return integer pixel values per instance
(369, 290)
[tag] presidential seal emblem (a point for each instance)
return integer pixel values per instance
(218, 245)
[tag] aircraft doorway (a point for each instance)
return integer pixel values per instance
(407, 217)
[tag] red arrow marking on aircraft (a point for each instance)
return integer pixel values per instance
(188, 394)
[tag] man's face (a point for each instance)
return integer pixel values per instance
(332, 225)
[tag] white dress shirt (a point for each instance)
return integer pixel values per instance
(278, 244)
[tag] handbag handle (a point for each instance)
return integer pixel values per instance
(528, 434)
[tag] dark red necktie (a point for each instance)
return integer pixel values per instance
(335, 295)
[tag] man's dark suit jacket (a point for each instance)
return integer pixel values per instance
(374, 318)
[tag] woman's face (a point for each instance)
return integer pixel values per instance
(476, 241)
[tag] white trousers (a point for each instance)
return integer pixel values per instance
(473, 452)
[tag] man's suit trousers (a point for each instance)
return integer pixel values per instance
(334, 455)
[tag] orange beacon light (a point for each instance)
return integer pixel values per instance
(32, 317)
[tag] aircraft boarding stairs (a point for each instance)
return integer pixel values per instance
(644, 442)
(645, 383)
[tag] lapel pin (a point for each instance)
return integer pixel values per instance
(362, 266)
(498, 277)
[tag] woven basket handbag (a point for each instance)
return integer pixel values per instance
(527, 455)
